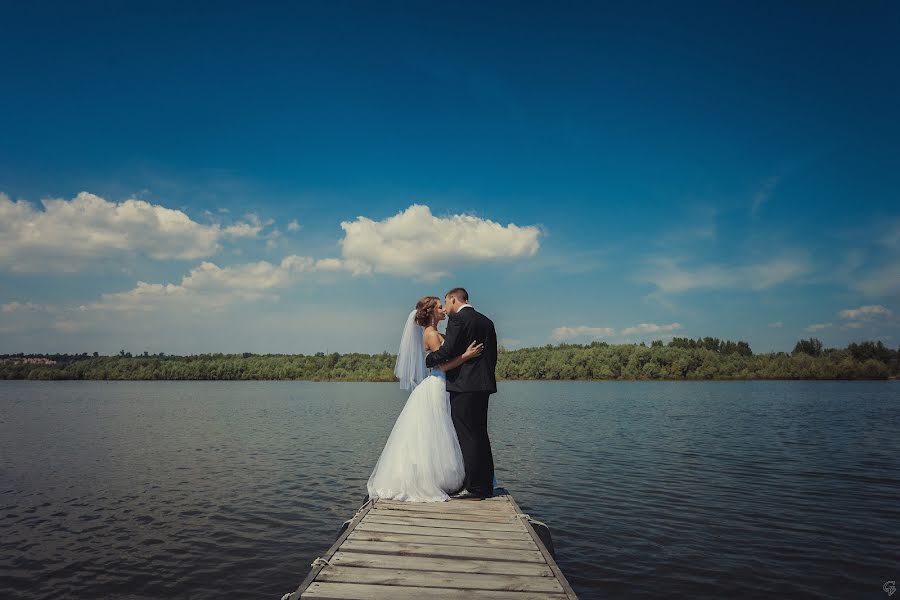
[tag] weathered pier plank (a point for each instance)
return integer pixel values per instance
(441, 579)
(376, 516)
(475, 534)
(449, 565)
(456, 549)
(441, 551)
(375, 536)
(353, 591)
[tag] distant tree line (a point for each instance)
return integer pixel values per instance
(317, 367)
(681, 358)
(705, 358)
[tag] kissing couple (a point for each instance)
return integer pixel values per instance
(439, 446)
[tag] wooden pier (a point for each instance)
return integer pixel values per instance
(456, 549)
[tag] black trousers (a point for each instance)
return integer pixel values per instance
(470, 411)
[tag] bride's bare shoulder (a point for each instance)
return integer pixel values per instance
(432, 338)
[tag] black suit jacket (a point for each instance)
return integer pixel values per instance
(476, 374)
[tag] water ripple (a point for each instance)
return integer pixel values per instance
(702, 490)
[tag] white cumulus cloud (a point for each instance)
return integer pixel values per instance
(249, 228)
(417, 244)
(68, 234)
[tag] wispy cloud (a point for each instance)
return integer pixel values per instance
(70, 326)
(817, 327)
(20, 317)
(892, 237)
(584, 331)
(293, 226)
(879, 282)
(873, 272)
(865, 312)
(576, 262)
(568, 333)
(645, 328)
(10, 307)
(511, 343)
(765, 192)
(209, 286)
(776, 325)
(699, 225)
(864, 316)
(670, 277)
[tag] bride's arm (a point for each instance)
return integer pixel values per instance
(473, 350)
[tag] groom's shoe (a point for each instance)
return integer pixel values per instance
(465, 495)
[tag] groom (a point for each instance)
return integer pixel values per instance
(470, 385)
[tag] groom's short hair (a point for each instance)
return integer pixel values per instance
(459, 293)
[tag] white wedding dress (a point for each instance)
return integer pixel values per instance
(421, 461)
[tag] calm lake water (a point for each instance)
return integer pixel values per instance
(214, 489)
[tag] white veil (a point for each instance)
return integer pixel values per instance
(410, 368)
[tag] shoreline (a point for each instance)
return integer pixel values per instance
(659, 380)
(709, 359)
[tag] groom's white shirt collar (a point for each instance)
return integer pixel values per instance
(466, 305)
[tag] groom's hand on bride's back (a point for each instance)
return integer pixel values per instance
(474, 349)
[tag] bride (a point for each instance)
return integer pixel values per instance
(421, 461)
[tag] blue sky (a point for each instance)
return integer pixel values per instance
(175, 179)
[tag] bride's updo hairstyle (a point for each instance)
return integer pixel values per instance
(425, 310)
